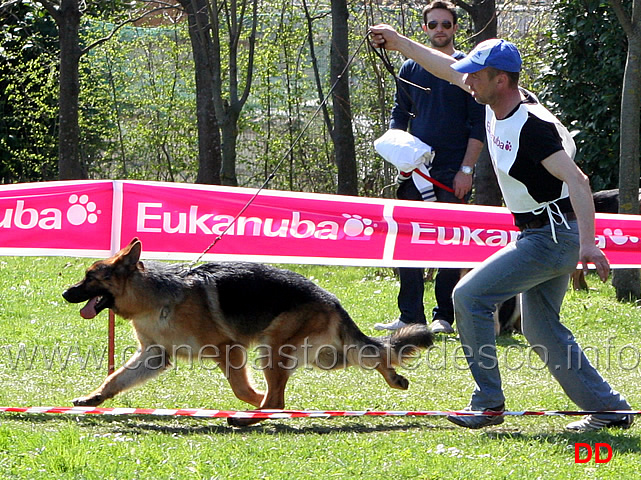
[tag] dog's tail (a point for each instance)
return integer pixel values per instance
(406, 342)
(379, 353)
(391, 351)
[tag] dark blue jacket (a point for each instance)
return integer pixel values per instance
(445, 119)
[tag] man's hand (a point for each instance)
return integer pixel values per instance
(563, 167)
(384, 36)
(593, 254)
(462, 184)
(432, 60)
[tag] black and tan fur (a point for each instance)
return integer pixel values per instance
(228, 308)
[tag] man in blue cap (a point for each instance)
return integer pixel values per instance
(551, 201)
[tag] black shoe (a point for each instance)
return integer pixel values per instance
(477, 420)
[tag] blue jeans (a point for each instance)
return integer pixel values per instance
(539, 269)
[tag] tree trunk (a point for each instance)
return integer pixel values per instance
(628, 281)
(487, 191)
(630, 125)
(236, 15)
(209, 152)
(69, 167)
(483, 13)
(229, 130)
(343, 135)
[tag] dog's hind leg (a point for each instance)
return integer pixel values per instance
(234, 366)
(399, 348)
(142, 366)
(376, 357)
(393, 379)
(384, 367)
(276, 377)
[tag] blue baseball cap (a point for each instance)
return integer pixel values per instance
(495, 52)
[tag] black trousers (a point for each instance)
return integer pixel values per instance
(410, 295)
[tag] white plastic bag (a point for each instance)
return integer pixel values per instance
(403, 150)
(408, 154)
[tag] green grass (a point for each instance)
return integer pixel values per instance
(36, 321)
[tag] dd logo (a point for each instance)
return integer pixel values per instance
(588, 450)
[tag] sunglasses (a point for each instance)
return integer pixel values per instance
(433, 24)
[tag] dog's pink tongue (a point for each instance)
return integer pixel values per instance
(89, 310)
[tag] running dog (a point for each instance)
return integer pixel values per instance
(219, 310)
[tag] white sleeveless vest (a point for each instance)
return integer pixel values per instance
(503, 138)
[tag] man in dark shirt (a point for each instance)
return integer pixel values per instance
(451, 122)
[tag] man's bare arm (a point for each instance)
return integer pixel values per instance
(562, 167)
(435, 62)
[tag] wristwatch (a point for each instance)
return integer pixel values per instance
(466, 170)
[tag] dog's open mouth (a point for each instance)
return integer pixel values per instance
(94, 306)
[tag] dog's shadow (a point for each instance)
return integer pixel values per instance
(136, 424)
(268, 427)
(132, 424)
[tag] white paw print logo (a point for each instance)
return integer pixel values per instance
(357, 225)
(81, 210)
(618, 237)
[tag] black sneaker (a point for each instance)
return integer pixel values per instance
(591, 423)
(475, 421)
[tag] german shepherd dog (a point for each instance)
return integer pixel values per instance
(224, 308)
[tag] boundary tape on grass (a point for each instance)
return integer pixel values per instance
(285, 414)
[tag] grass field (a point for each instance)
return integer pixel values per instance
(50, 355)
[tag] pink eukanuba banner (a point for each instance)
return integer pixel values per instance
(180, 221)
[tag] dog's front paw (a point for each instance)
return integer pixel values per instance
(90, 401)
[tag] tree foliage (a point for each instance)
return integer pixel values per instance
(28, 95)
(137, 108)
(582, 82)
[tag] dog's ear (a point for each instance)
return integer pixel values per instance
(130, 255)
(133, 241)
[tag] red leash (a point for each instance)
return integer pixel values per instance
(429, 179)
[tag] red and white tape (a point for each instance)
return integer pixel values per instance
(284, 414)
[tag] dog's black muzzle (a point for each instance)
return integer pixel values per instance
(77, 294)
